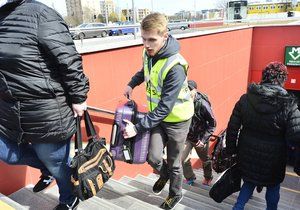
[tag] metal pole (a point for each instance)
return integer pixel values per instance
(152, 6)
(101, 110)
(106, 12)
(134, 18)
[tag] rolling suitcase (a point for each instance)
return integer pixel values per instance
(133, 150)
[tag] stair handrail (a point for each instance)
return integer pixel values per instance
(96, 109)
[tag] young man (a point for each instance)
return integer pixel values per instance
(42, 88)
(169, 101)
(202, 126)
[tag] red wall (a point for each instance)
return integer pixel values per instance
(206, 24)
(268, 44)
(218, 62)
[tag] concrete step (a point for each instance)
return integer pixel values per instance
(94, 203)
(288, 200)
(136, 193)
(30, 200)
(193, 201)
(9, 204)
(114, 195)
(203, 190)
(142, 195)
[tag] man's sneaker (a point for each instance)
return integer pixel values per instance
(43, 183)
(206, 182)
(171, 202)
(159, 185)
(71, 206)
(259, 189)
(190, 181)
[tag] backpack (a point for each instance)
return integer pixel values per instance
(220, 159)
(204, 97)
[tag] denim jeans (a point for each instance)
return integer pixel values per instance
(272, 196)
(48, 157)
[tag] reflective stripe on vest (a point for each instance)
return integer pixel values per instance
(184, 106)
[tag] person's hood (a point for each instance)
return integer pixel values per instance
(6, 2)
(171, 47)
(267, 98)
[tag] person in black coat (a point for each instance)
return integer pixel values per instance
(261, 124)
(42, 88)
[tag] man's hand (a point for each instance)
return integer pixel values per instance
(297, 171)
(129, 130)
(128, 92)
(199, 144)
(79, 109)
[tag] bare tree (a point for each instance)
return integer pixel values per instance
(88, 14)
(113, 17)
(72, 20)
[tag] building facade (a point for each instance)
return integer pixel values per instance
(107, 7)
(83, 10)
(274, 7)
(74, 9)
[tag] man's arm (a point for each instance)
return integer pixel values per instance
(210, 120)
(233, 128)
(136, 80)
(55, 40)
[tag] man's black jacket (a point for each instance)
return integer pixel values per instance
(203, 122)
(40, 74)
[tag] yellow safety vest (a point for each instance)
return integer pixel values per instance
(184, 106)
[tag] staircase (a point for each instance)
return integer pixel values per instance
(136, 194)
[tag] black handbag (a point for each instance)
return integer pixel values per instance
(221, 160)
(93, 165)
(228, 183)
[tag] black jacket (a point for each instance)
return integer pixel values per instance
(171, 87)
(262, 122)
(203, 122)
(40, 74)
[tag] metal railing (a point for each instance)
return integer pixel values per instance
(100, 110)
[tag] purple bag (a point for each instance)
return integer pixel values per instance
(133, 150)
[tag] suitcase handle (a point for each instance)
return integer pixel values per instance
(114, 134)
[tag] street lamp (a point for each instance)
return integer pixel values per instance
(152, 6)
(134, 18)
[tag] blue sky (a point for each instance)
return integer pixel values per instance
(165, 6)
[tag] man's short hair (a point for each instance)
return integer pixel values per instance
(155, 21)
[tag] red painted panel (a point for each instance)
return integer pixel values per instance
(206, 24)
(268, 44)
(218, 62)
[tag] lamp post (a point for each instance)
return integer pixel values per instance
(134, 18)
(152, 6)
(106, 13)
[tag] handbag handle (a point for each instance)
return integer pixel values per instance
(78, 136)
(90, 130)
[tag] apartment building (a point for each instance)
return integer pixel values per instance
(84, 10)
(140, 14)
(107, 7)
